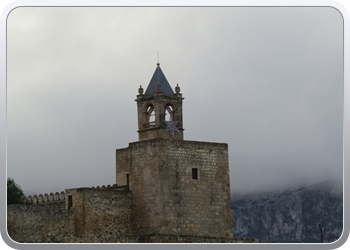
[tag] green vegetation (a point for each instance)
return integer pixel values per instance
(15, 193)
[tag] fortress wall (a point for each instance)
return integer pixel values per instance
(166, 199)
(101, 212)
(53, 205)
(38, 199)
(96, 215)
(30, 223)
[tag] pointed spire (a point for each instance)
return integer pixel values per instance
(159, 78)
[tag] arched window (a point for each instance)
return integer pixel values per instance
(169, 113)
(151, 114)
(150, 120)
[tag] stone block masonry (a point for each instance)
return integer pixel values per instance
(178, 187)
(90, 215)
(167, 191)
(37, 224)
(100, 212)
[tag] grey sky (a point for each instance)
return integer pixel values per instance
(268, 81)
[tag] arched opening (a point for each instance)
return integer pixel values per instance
(150, 120)
(169, 113)
(151, 115)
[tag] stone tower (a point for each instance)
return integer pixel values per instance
(178, 187)
(158, 108)
(168, 190)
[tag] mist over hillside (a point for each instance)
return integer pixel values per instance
(290, 216)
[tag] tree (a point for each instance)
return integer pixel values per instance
(15, 193)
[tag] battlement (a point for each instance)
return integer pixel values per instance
(59, 197)
(114, 186)
(38, 199)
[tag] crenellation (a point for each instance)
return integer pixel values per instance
(46, 198)
(59, 197)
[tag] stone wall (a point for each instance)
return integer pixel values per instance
(96, 215)
(46, 198)
(156, 132)
(166, 199)
(31, 223)
(99, 212)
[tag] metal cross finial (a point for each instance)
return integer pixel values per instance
(158, 58)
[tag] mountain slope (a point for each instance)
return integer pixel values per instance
(292, 215)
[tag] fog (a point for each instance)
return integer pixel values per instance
(268, 81)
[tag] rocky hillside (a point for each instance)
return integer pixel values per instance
(290, 216)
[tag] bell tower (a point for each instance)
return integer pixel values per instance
(159, 109)
(179, 188)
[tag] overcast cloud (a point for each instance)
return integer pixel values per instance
(267, 81)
